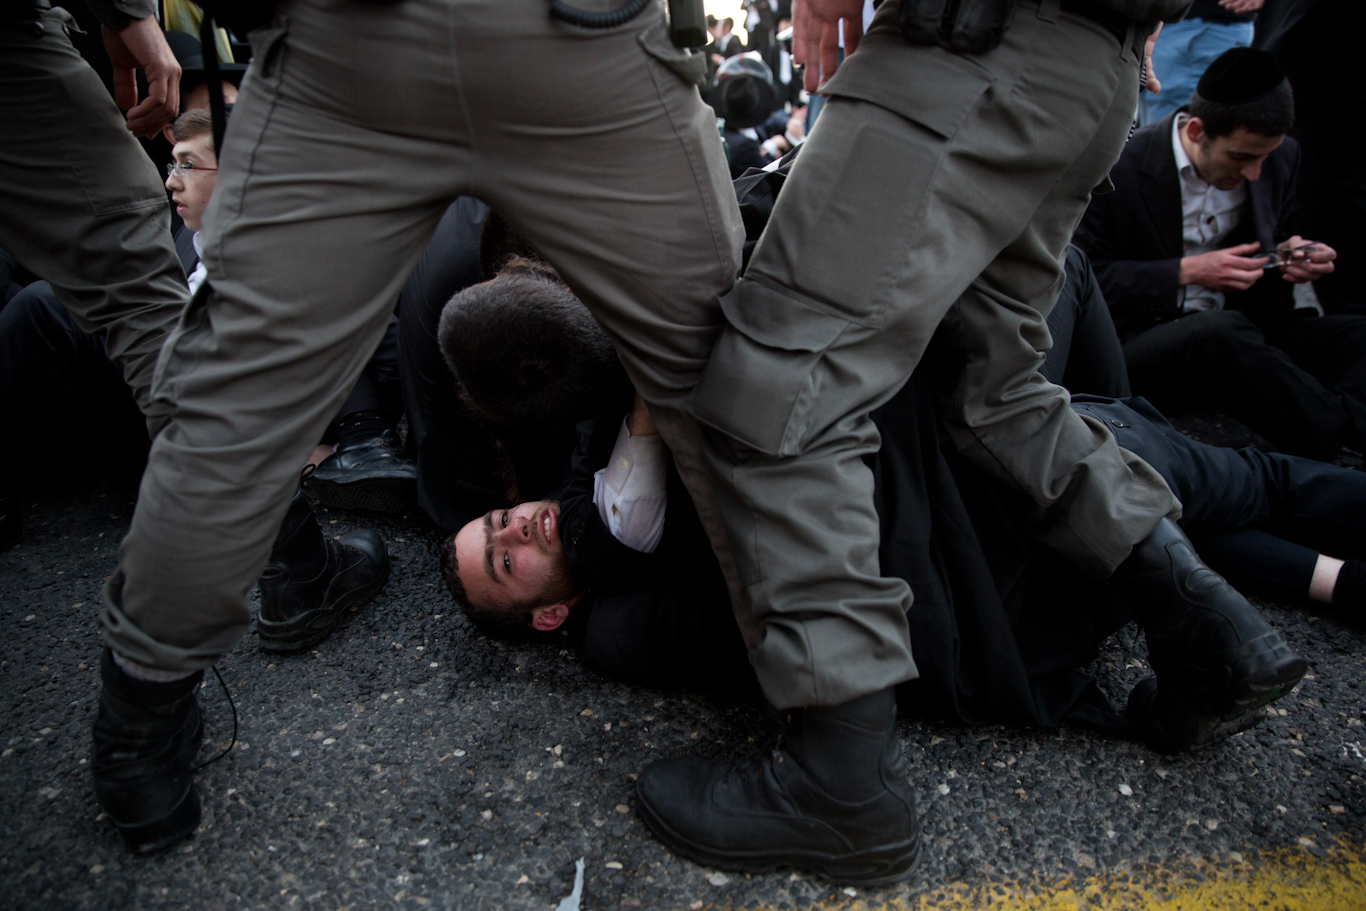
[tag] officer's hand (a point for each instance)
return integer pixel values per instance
(815, 37)
(1152, 85)
(1242, 6)
(1304, 265)
(142, 46)
(1230, 269)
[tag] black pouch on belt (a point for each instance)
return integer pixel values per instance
(961, 26)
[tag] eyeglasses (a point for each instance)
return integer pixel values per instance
(179, 169)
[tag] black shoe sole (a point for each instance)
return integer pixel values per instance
(1257, 673)
(311, 627)
(160, 834)
(1280, 671)
(883, 866)
(386, 495)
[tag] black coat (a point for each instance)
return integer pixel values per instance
(1134, 234)
(656, 619)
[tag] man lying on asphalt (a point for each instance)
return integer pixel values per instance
(643, 599)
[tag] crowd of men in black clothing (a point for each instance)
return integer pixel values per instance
(527, 446)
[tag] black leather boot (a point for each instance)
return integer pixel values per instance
(1216, 661)
(832, 797)
(373, 475)
(312, 580)
(145, 739)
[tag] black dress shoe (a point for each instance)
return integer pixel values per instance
(312, 580)
(145, 739)
(832, 797)
(373, 475)
(11, 523)
(1216, 661)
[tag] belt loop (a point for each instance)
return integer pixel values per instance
(1049, 9)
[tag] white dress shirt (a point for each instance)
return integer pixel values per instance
(1208, 216)
(200, 272)
(629, 493)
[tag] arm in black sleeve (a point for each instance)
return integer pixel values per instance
(1132, 287)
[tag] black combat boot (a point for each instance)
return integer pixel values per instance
(832, 797)
(373, 475)
(1216, 661)
(312, 580)
(145, 740)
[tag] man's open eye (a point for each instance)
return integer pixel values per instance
(504, 519)
(507, 565)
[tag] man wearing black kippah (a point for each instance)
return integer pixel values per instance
(1197, 256)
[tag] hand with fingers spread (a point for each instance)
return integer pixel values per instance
(1230, 269)
(142, 46)
(815, 36)
(1299, 262)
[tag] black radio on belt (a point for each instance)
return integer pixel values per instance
(961, 26)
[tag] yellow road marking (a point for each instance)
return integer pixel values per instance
(1287, 879)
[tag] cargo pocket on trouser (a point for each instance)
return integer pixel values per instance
(761, 384)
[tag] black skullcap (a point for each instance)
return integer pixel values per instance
(1240, 75)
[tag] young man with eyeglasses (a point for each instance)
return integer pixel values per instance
(190, 177)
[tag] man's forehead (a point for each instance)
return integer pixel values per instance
(200, 147)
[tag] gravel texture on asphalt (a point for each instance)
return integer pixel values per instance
(409, 762)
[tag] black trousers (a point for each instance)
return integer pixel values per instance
(1301, 383)
(458, 473)
(60, 394)
(1252, 515)
(1086, 356)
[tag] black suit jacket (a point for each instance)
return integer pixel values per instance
(184, 248)
(1134, 234)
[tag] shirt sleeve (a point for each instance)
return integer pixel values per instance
(630, 492)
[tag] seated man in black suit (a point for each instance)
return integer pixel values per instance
(1196, 254)
(1000, 630)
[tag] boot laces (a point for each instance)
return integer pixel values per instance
(232, 743)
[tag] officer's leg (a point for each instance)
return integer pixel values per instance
(82, 205)
(628, 195)
(322, 205)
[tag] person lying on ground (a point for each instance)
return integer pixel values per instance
(1001, 630)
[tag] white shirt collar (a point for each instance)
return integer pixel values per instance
(1183, 161)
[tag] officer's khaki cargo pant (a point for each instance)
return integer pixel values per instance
(82, 205)
(931, 182)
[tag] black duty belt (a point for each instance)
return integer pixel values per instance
(1115, 23)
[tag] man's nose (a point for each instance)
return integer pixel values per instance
(517, 531)
(1252, 171)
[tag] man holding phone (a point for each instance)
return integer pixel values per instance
(1198, 259)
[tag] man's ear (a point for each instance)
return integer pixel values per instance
(168, 134)
(1195, 130)
(549, 617)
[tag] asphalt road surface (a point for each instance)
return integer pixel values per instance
(408, 762)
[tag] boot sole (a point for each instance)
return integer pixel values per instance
(883, 866)
(311, 627)
(386, 495)
(1242, 708)
(1260, 672)
(160, 834)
